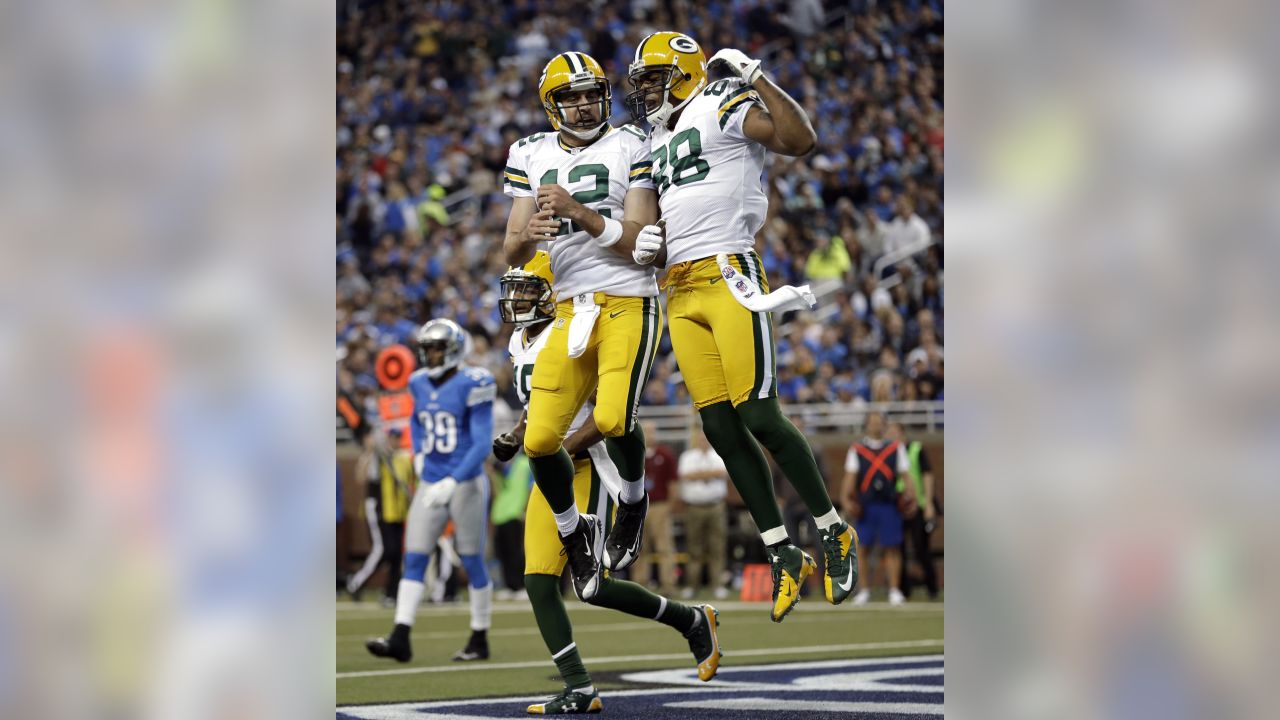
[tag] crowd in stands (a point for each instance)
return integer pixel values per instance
(431, 94)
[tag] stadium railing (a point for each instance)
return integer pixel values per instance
(673, 422)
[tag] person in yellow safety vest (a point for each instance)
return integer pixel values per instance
(510, 497)
(919, 526)
(432, 208)
(387, 470)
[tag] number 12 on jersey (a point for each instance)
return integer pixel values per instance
(595, 194)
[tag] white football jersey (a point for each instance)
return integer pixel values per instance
(598, 176)
(708, 175)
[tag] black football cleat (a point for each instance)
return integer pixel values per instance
(395, 646)
(622, 547)
(584, 546)
(477, 648)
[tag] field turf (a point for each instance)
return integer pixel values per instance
(611, 644)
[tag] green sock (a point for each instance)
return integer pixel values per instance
(627, 452)
(790, 450)
(554, 475)
(557, 633)
(633, 599)
(745, 461)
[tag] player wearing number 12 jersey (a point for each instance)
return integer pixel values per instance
(709, 141)
(452, 427)
(582, 193)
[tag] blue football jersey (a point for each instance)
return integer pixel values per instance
(452, 424)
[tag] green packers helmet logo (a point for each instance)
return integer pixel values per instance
(683, 44)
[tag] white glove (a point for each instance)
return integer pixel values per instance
(439, 492)
(649, 243)
(739, 64)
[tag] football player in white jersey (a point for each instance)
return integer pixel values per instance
(526, 302)
(709, 141)
(584, 192)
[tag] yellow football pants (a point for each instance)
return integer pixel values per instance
(615, 366)
(725, 351)
(542, 547)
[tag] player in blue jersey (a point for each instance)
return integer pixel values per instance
(452, 429)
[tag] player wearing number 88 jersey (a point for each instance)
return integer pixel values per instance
(709, 141)
(452, 428)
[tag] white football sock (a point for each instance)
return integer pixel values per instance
(567, 520)
(827, 520)
(481, 606)
(632, 491)
(773, 536)
(408, 596)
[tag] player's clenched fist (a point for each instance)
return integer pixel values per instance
(505, 446)
(559, 202)
(541, 227)
(737, 63)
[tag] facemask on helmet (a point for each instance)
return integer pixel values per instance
(526, 298)
(571, 84)
(669, 70)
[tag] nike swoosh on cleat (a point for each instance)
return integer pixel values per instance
(848, 583)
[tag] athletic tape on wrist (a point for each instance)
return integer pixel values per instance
(611, 234)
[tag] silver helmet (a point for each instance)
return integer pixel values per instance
(446, 334)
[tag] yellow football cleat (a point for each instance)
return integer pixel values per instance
(840, 545)
(704, 642)
(791, 566)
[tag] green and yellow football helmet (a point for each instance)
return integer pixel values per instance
(526, 296)
(578, 74)
(668, 71)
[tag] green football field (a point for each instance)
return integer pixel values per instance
(611, 643)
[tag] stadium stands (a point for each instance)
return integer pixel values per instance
(430, 95)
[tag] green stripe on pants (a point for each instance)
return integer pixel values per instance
(755, 331)
(641, 360)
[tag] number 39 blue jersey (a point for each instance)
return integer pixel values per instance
(452, 424)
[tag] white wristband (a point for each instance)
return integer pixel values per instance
(611, 234)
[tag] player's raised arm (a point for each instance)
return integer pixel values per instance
(781, 125)
(526, 227)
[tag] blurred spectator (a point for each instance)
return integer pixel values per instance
(510, 496)
(829, 262)
(703, 486)
(919, 525)
(906, 232)
(388, 475)
(870, 493)
(659, 542)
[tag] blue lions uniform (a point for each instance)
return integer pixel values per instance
(452, 424)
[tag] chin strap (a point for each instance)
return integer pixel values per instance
(588, 134)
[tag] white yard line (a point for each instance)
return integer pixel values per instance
(619, 659)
